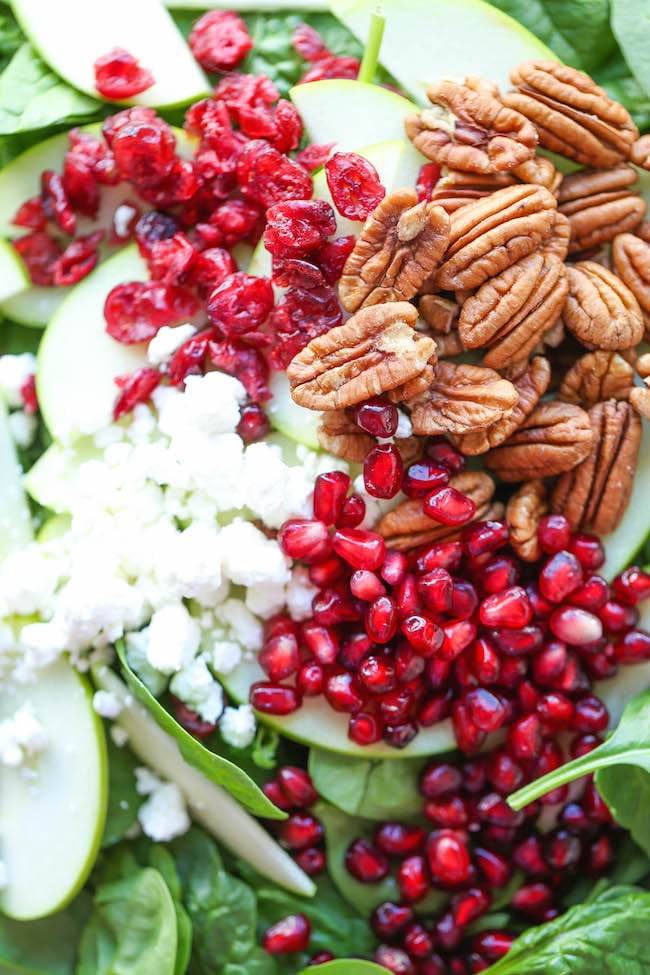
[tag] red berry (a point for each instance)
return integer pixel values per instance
(449, 507)
(383, 471)
(219, 40)
(119, 75)
(354, 184)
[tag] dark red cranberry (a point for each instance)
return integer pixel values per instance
(192, 722)
(119, 75)
(427, 178)
(354, 184)
(219, 40)
(267, 177)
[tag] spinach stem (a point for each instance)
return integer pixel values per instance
(371, 54)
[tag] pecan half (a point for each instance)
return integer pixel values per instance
(462, 399)
(640, 400)
(524, 511)
(456, 189)
(400, 245)
(407, 526)
(470, 129)
(557, 242)
(541, 171)
(640, 152)
(600, 310)
(632, 264)
(489, 235)
(338, 434)
(413, 387)
(512, 310)
(600, 205)
(595, 494)
(553, 439)
(440, 314)
(531, 380)
(595, 377)
(572, 114)
(374, 351)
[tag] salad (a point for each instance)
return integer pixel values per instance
(323, 430)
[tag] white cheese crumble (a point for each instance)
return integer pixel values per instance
(173, 638)
(163, 815)
(166, 341)
(23, 427)
(237, 726)
(22, 737)
(15, 370)
(106, 704)
(195, 686)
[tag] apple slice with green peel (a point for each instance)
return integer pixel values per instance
(71, 34)
(51, 481)
(51, 821)
(35, 306)
(623, 544)
(292, 420)
(14, 277)
(15, 519)
(78, 361)
(459, 38)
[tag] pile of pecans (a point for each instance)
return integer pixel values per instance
(504, 308)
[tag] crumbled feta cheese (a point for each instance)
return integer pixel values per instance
(166, 341)
(23, 427)
(237, 726)
(300, 594)
(195, 686)
(106, 704)
(163, 815)
(22, 737)
(250, 558)
(136, 654)
(123, 218)
(173, 638)
(146, 781)
(119, 735)
(244, 627)
(404, 426)
(265, 601)
(225, 656)
(15, 370)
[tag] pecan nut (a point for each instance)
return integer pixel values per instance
(469, 128)
(553, 439)
(440, 314)
(531, 380)
(511, 311)
(401, 244)
(489, 235)
(539, 170)
(524, 511)
(640, 152)
(595, 377)
(600, 310)
(455, 189)
(573, 115)
(462, 399)
(599, 205)
(338, 434)
(374, 351)
(557, 242)
(632, 264)
(595, 494)
(407, 526)
(640, 395)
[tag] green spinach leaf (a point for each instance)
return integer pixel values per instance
(626, 790)
(132, 929)
(161, 860)
(123, 798)
(33, 97)
(44, 947)
(213, 766)
(348, 966)
(11, 36)
(631, 26)
(382, 789)
(608, 936)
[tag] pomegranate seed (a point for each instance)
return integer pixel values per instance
(396, 706)
(513, 671)
(512, 642)
(449, 507)
(329, 494)
(592, 594)
(413, 879)
(549, 663)
(423, 635)
(395, 960)
(617, 617)
(321, 642)
(381, 619)
(353, 511)
(588, 550)
(448, 858)
(575, 626)
(297, 785)
(354, 184)
(377, 675)
(469, 738)
(444, 555)
(394, 569)
(312, 861)
(361, 549)
(493, 945)
(364, 729)
(525, 737)
(433, 965)
(306, 540)
(483, 661)
(408, 665)
(274, 698)
(441, 452)
(397, 839)
(354, 650)
(310, 679)
(449, 813)
(532, 898)
(418, 941)
(560, 576)
(254, 424)
(365, 585)
(464, 599)
(447, 933)
(377, 416)
(279, 658)
(438, 671)
(562, 849)
(439, 779)
(342, 693)
(528, 855)
(554, 533)
(574, 817)
(631, 585)
(527, 697)
(485, 709)
(485, 536)
(509, 608)
(591, 715)
(457, 636)
(435, 708)
(300, 831)
(594, 805)
(401, 735)
(365, 863)
(389, 920)
(504, 773)
(600, 856)
(493, 809)
(273, 791)
(499, 573)
(292, 933)
(422, 477)
(635, 645)
(332, 606)
(556, 711)
(436, 589)
(383, 471)
(474, 775)
(495, 868)
(470, 905)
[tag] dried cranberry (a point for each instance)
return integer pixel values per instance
(332, 67)
(267, 177)
(40, 252)
(136, 387)
(136, 310)
(180, 184)
(331, 257)
(77, 260)
(296, 226)
(171, 259)
(354, 184)
(313, 156)
(31, 214)
(236, 220)
(308, 43)
(143, 146)
(240, 304)
(56, 203)
(119, 75)
(219, 40)
(248, 365)
(427, 178)
(299, 317)
(292, 272)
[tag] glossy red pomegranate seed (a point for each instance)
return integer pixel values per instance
(413, 879)
(600, 856)
(509, 608)
(377, 674)
(593, 594)
(297, 785)
(470, 905)
(474, 775)
(423, 635)
(504, 773)
(438, 671)
(495, 868)
(279, 657)
(274, 791)
(398, 839)
(383, 471)
(451, 813)
(527, 697)
(562, 849)
(448, 858)
(594, 805)
(422, 477)
(485, 536)
(443, 555)
(365, 862)
(549, 663)
(449, 507)
(312, 861)
(353, 511)
(554, 533)
(409, 665)
(396, 707)
(354, 184)
(381, 619)
(322, 642)
(464, 599)
(389, 920)
(617, 617)
(631, 585)
(333, 605)
(439, 779)
(254, 423)
(588, 550)
(290, 934)
(435, 708)
(360, 549)
(525, 738)
(219, 40)
(528, 855)
(556, 711)
(485, 709)
(394, 568)
(499, 573)
(493, 945)
(364, 729)
(365, 585)
(532, 899)
(441, 452)
(417, 941)
(635, 645)
(329, 494)
(342, 693)
(494, 810)
(354, 650)
(274, 698)
(591, 715)
(575, 626)
(457, 636)
(377, 416)
(527, 639)
(483, 661)
(395, 960)
(436, 588)
(300, 831)
(305, 539)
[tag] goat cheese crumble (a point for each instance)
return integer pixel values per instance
(22, 737)
(163, 814)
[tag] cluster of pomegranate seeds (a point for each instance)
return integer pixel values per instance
(302, 833)
(119, 75)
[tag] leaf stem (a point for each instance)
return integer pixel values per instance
(371, 53)
(584, 765)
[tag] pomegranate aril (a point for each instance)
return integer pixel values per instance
(312, 860)
(353, 511)
(451, 813)
(365, 862)
(394, 569)
(448, 858)
(422, 477)
(439, 779)
(395, 960)
(549, 663)
(433, 965)
(443, 555)
(575, 626)
(513, 670)
(469, 737)
(398, 839)
(297, 785)
(274, 698)
(562, 849)
(616, 617)
(436, 588)
(470, 905)
(600, 856)
(353, 650)
(513, 642)
(448, 506)
(360, 549)
(343, 693)
(556, 711)
(279, 658)
(583, 744)
(457, 636)
(509, 608)
(365, 585)
(447, 934)
(474, 774)
(561, 575)
(524, 740)
(464, 599)
(442, 453)
(494, 810)
(588, 550)
(364, 729)
(438, 671)
(423, 635)
(381, 619)
(321, 641)
(504, 773)
(435, 708)
(377, 416)
(377, 674)
(594, 805)
(527, 697)
(532, 899)
(274, 791)
(634, 646)
(290, 934)
(400, 735)
(300, 831)
(305, 539)
(495, 868)
(631, 585)
(593, 594)
(417, 941)
(485, 709)
(333, 605)
(497, 574)
(253, 424)
(528, 855)
(591, 715)
(409, 665)
(413, 879)
(485, 536)
(396, 706)
(389, 920)
(554, 533)
(383, 471)
(330, 490)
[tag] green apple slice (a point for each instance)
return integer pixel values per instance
(71, 34)
(13, 273)
(51, 481)
(35, 306)
(77, 360)
(293, 421)
(51, 822)
(426, 40)
(15, 519)
(622, 545)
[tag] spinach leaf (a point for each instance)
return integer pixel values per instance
(11, 36)
(132, 929)
(608, 936)
(348, 966)
(213, 766)
(382, 789)
(161, 860)
(33, 97)
(626, 790)
(631, 25)
(44, 947)
(123, 798)
(578, 31)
